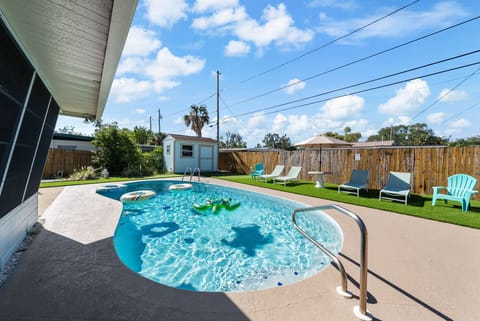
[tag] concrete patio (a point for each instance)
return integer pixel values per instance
(418, 270)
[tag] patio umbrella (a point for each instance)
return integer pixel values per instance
(320, 141)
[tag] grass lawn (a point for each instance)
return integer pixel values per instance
(66, 182)
(418, 205)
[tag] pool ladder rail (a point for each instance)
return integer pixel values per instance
(192, 173)
(360, 310)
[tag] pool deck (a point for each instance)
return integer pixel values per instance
(418, 270)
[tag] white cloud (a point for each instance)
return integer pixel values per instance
(139, 111)
(256, 120)
(279, 123)
(160, 73)
(209, 5)
(278, 26)
(457, 126)
(407, 99)
(130, 65)
(296, 124)
(332, 4)
(448, 95)
(403, 23)
(127, 89)
(343, 107)
(225, 17)
(294, 85)
(167, 65)
(460, 123)
(140, 42)
(165, 13)
(436, 118)
(236, 48)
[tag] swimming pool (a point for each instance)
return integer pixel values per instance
(250, 247)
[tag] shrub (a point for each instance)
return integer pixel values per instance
(84, 173)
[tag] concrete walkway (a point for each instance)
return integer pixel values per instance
(418, 270)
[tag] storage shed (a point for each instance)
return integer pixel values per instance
(182, 152)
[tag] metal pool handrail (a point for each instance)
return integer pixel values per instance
(197, 169)
(187, 170)
(360, 310)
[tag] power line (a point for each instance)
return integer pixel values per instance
(358, 60)
(231, 112)
(362, 91)
(186, 109)
(462, 112)
(320, 47)
(367, 81)
(445, 95)
(329, 43)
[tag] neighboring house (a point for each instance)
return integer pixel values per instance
(181, 152)
(56, 58)
(383, 143)
(71, 142)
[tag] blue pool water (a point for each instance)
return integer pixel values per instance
(254, 246)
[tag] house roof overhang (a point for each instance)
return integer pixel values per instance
(75, 47)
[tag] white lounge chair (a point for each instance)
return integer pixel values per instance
(358, 180)
(292, 176)
(398, 185)
(277, 171)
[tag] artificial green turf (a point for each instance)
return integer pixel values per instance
(66, 182)
(418, 205)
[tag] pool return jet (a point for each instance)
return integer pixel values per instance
(360, 310)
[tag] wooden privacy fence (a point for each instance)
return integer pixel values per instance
(430, 166)
(62, 162)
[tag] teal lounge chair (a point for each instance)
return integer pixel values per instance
(460, 188)
(358, 180)
(397, 188)
(277, 171)
(292, 176)
(256, 171)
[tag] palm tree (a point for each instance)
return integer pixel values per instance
(197, 118)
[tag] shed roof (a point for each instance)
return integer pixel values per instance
(74, 46)
(193, 138)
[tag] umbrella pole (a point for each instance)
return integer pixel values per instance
(320, 159)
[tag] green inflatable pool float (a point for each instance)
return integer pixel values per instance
(216, 205)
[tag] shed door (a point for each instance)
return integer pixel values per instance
(206, 158)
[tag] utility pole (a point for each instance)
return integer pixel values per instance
(159, 117)
(150, 123)
(218, 106)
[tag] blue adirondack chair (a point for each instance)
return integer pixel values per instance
(460, 188)
(256, 171)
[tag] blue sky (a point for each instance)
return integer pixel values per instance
(273, 55)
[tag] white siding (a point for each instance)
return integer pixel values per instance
(14, 226)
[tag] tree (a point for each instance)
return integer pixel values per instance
(275, 141)
(461, 142)
(232, 141)
(70, 130)
(117, 151)
(347, 137)
(142, 135)
(414, 135)
(197, 118)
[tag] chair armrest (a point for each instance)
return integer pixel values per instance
(438, 188)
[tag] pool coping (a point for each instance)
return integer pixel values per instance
(71, 272)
